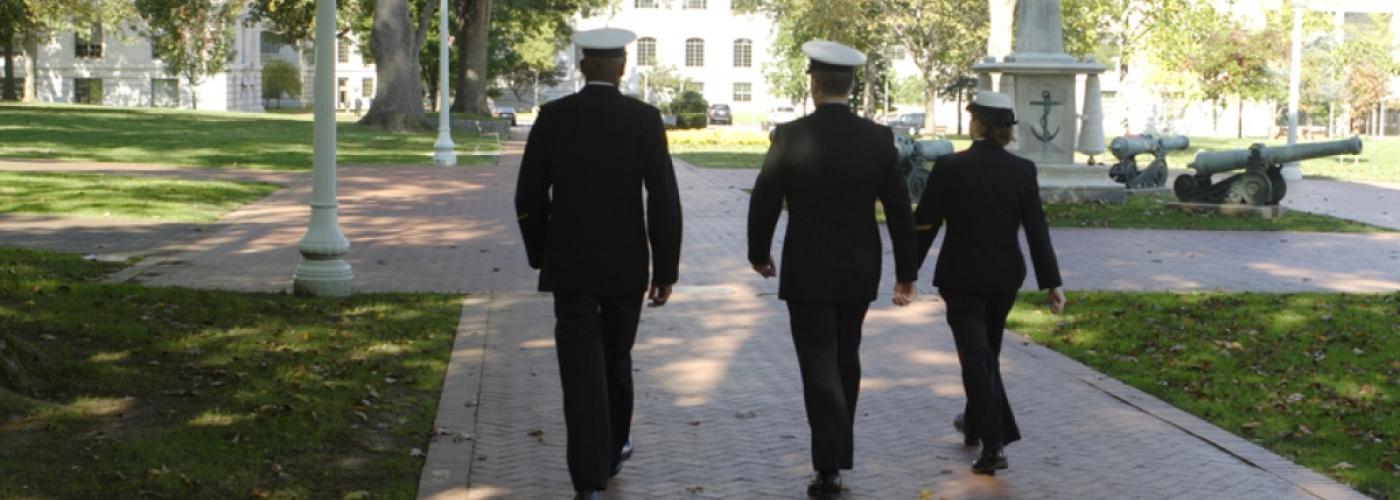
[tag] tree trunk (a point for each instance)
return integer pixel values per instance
(930, 100)
(398, 98)
(8, 94)
(960, 112)
(868, 96)
(31, 66)
(1239, 118)
(471, 50)
(194, 93)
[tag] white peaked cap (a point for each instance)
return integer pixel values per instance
(827, 55)
(604, 41)
(994, 100)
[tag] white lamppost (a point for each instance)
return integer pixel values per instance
(443, 150)
(1292, 171)
(324, 271)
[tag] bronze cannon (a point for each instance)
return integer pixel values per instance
(916, 160)
(1126, 149)
(1261, 183)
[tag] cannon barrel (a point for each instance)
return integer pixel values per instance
(932, 150)
(1212, 162)
(1127, 147)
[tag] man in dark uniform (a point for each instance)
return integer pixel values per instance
(579, 204)
(985, 194)
(831, 167)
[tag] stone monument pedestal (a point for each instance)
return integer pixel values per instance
(1042, 80)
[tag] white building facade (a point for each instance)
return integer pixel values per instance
(117, 66)
(724, 53)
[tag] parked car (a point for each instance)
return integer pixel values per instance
(780, 114)
(719, 114)
(905, 123)
(506, 112)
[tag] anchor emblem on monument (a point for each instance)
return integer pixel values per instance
(1044, 135)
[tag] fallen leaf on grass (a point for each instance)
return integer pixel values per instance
(356, 495)
(1343, 466)
(416, 453)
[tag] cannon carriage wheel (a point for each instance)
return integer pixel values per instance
(1280, 187)
(1250, 188)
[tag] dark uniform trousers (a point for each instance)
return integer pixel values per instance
(827, 337)
(593, 336)
(978, 321)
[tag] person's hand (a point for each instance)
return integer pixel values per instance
(1056, 299)
(659, 294)
(766, 269)
(904, 293)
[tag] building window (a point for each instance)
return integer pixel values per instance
(88, 44)
(87, 91)
(165, 92)
(155, 46)
(743, 53)
(645, 4)
(695, 4)
(694, 53)
(342, 51)
(743, 92)
(271, 43)
(646, 52)
(897, 53)
(367, 88)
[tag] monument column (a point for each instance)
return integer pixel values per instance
(324, 272)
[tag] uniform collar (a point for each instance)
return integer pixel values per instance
(599, 90)
(828, 107)
(986, 144)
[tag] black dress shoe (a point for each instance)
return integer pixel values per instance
(825, 485)
(589, 495)
(960, 423)
(990, 462)
(622, 457)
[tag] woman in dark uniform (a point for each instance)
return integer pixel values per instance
(984, 195)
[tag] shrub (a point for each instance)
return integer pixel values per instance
(280, 77)
(690, 110)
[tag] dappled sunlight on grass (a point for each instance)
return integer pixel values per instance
(1312, 376)
(216, 418)
(216, 386)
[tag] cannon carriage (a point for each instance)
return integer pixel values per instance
(1261, 182)
(1127, 149)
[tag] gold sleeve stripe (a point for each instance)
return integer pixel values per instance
(925, 227)
(522, 217)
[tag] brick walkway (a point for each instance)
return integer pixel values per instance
(719, 412)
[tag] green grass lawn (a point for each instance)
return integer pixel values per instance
(1151, 212)
(125, 197)
(1378, 162)
(1314, 377)
(178, 393)
(271, 141)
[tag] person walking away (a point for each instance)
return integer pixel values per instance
(580, 208)
(984, 195)
(830, 168)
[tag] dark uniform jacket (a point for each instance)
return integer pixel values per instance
(579, 197)
(984, 194)
(830, 167)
